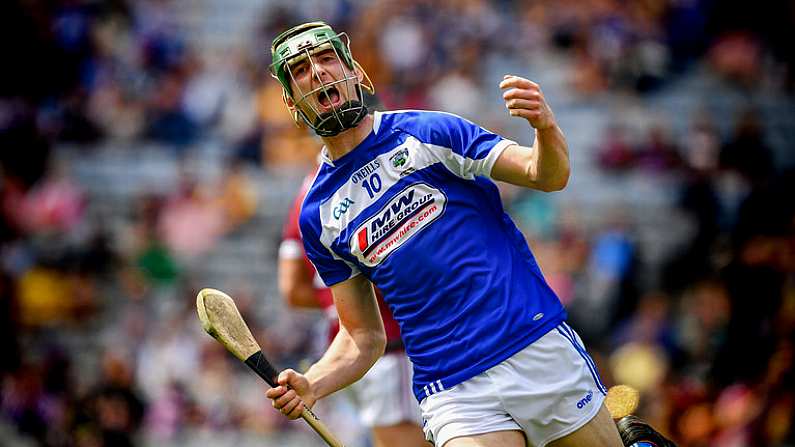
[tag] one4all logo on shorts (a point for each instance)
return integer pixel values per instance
(585, 400)
(406, 214)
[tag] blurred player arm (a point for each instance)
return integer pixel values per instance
(295, 274)
(295, 278)
(545, 166)
(360, 342)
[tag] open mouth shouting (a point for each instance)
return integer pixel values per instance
(329, 99)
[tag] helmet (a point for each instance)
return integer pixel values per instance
(300, 43)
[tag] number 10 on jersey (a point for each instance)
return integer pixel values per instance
(372, 185)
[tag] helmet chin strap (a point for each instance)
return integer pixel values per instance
(348, 115)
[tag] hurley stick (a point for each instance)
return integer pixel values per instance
(221, 319)
(622, 400)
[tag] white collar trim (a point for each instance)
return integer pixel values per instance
(376, 121)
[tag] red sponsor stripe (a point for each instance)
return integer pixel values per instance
(363, 239)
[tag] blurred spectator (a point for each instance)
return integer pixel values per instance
(237, 197)
(54, 204)
(702, 327)
(25, 154)
(167, 357)
(746, 152)
(23, 401)
(737, 57)
(657, 153)
(615, 152)
(168, 121)
(611, 291)
(9, 326)
(640, 365)
(154, 262)
(112, 412)
(190, 222)
(755, 283)
(649, 323)
(46, 297)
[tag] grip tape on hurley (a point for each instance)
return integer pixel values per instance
(263, 368)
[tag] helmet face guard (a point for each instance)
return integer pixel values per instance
(302, 43)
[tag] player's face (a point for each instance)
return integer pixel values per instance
(321, 82)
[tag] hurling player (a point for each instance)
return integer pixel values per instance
(495, 363)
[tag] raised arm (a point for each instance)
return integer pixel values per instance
(545, 166)
(359, 343)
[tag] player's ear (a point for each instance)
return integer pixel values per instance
(290, 104)
(359, 72)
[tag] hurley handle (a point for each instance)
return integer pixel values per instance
(263, 368)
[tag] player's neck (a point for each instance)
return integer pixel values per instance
(346, 141)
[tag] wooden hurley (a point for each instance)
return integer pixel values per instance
(622, 400)
(221, 319)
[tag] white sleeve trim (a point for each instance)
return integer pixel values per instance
(469, 168)
(291, 249)
(494, 154)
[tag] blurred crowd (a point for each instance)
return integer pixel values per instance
(99, 338)
(707, 333)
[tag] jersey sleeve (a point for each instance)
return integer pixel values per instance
(331, 268)
(465, 148)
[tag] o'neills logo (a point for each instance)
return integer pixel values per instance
(406, 214)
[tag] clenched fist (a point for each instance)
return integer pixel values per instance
(524, 98)
(292, 394)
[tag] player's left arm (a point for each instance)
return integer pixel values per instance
(545, 166)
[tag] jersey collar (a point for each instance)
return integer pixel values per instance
(324, 156)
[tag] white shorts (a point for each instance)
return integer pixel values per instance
(383, 396)
(547, 390)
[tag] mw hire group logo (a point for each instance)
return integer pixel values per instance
(406, 214)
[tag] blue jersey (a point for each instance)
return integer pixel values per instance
(412, 208)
